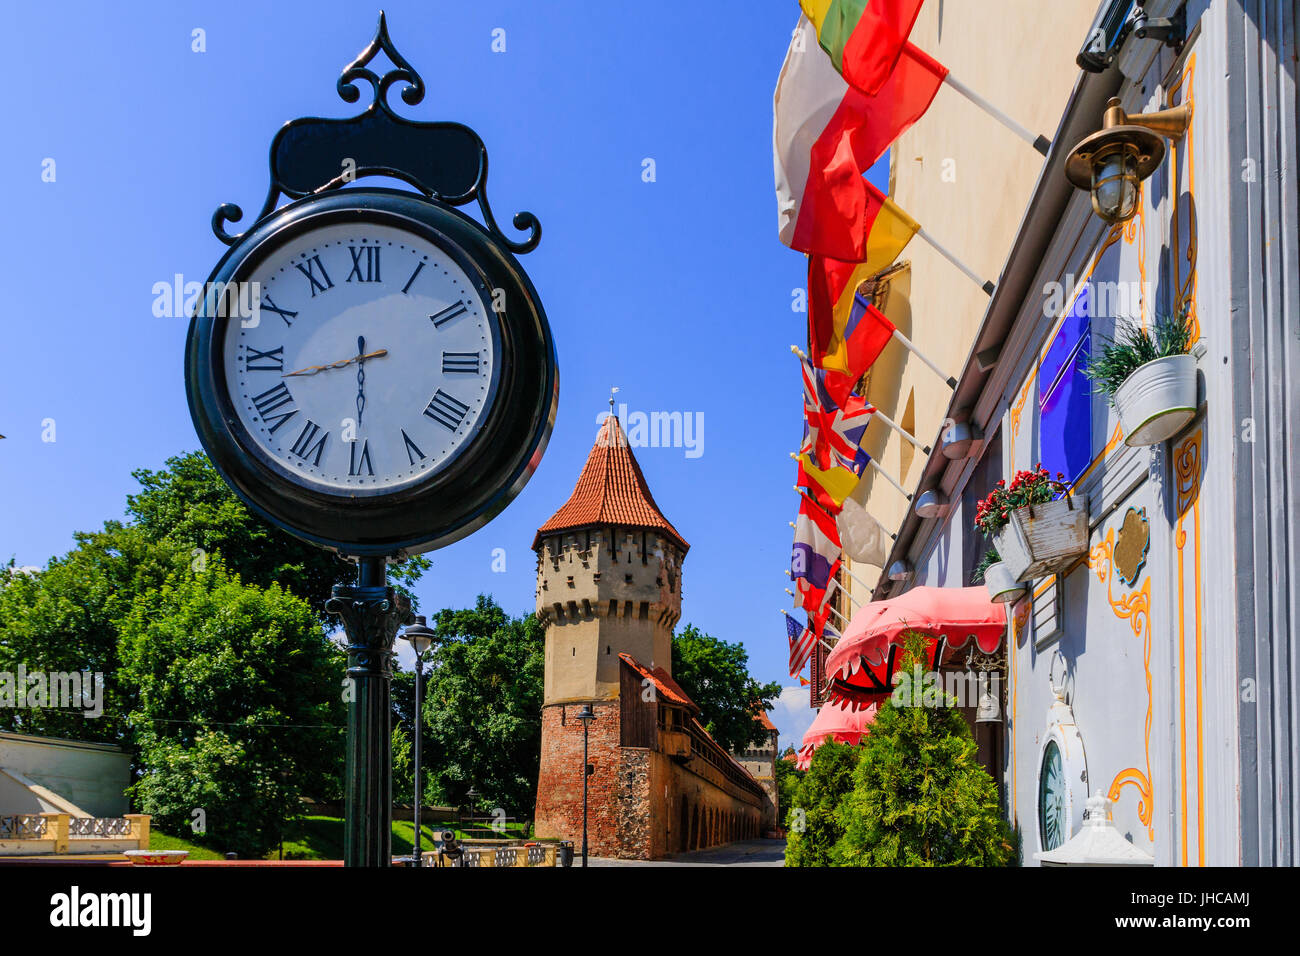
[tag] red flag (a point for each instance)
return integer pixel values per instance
(905, 96)
(844, 348)
(866, 336)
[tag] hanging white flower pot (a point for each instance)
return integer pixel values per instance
(1157, 400)
(1002, 585)
(1040, 539)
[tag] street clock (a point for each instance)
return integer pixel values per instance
(396, 386)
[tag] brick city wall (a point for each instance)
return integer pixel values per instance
(559, 781)
(641, 804)
(636, 823)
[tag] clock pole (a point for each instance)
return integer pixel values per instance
(371, 612)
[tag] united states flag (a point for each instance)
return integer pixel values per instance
(802, 642)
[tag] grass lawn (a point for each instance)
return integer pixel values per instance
(161, 841)
(321, 838)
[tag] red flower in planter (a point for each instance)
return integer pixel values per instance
(1026, 488)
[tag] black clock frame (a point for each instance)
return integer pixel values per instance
(491, 468)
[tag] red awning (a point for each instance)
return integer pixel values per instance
(841, 724)
(861, 666)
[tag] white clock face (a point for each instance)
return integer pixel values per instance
(373, 361)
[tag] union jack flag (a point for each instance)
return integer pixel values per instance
(833, 434)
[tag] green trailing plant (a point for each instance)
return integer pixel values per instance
(1134, 346)
(991, 557)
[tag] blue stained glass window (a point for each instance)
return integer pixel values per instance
(1065, 395)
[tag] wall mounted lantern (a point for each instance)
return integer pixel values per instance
(932, 504)
(960, 439)
(1113, 161)
(900, 570)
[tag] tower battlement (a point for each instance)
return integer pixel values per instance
(608, 575)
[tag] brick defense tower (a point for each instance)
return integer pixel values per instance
(608, 583)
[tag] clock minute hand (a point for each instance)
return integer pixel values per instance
(313, 369)
(361, 376)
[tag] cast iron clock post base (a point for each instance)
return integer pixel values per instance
(371, 612)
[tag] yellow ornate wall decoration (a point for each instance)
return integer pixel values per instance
(1134, 607)
(1184, 285)
(1187, 476)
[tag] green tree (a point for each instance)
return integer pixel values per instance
(715, 675)
(483, 707)
(813, 823)
(788, 778)
(65, 618)
(920, 796)
(189, 503)
(239, 710)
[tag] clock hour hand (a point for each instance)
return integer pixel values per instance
(313, 369)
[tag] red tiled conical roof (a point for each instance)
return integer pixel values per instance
(610, 491)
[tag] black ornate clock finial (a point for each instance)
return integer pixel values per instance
(412, 94)
(447, 162)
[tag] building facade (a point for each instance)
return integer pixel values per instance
(1159, 666)
(609, 594)
(759, 761)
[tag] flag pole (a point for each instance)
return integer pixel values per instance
(846, 593)
(889, 478)
(855, 601)
(906, 343)
(820, 640)
(1039, 142)
(827, 606)
(803, 494)
(886, 420)
(880, 471)
(854, 576)
(970, 273)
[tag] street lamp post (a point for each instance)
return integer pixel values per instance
(421, 637)
(586, 715)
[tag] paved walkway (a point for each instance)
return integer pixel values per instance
(742, 853)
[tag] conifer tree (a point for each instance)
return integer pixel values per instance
(813, 825)
(920, 796)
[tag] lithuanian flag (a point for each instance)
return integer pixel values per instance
(863, 38)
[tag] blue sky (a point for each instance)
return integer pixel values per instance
(676, 291)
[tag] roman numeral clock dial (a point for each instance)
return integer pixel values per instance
(373, 363)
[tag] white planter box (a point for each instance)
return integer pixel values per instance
(1003, 587)
(1157, 400)
(1039, 539)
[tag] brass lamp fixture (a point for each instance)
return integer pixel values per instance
(1113, 161)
